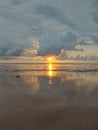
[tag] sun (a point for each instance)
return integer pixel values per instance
(51, 59)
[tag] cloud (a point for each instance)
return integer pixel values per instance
(52, 12)
(84, 52)
(55, 24)
(16, 2)
(95, 12)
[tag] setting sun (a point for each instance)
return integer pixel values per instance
(50, 59)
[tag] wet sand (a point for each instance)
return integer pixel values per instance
(48, 100)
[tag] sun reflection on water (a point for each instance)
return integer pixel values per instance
(50, 61)
(50, 73)
(50, 70)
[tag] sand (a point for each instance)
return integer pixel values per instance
(47, 100)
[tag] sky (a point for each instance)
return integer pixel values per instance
(68, 28)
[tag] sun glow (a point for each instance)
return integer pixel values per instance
(50, 68)
(51, 59)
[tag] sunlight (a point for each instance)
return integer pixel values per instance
(50, 73)
(51, 59)
(50, 68)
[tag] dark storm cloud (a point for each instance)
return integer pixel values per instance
(55, 24)
(95, 38)
(96, 2)
(95, 12)
(56, 42)
(70, 38)
(16, 2)
(51, 12)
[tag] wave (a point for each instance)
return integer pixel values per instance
(68, 67)
(65, 70)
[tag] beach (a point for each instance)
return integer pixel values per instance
(48, 97)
